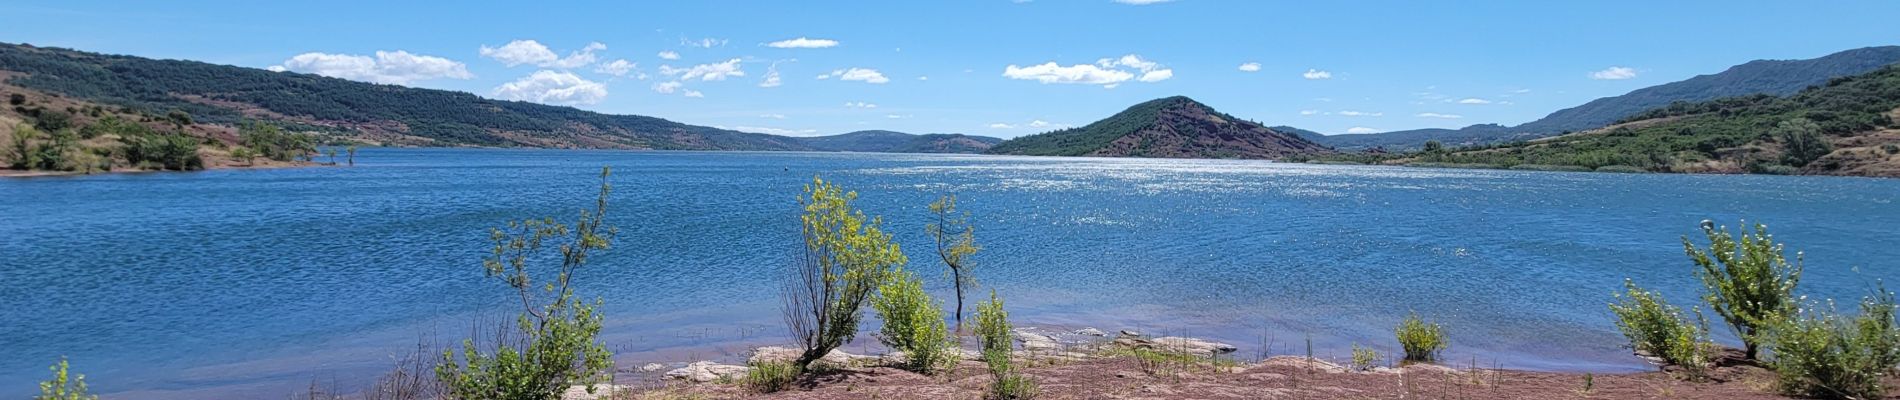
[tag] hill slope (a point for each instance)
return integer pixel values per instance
(899, 142)
(1844, 127)
(1774, 77)
(378, 113)
(1172, 127)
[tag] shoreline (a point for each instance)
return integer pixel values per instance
(16, 173)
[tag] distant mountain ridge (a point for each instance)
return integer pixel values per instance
(391, 114)
(1775, 77)
(1171, 127)
(881, 141)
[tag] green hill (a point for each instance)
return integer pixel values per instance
(371, 112)
(899, 142)
(1772, 77)
(1172, 127)
(1843, 127)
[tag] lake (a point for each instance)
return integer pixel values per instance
(234, 283)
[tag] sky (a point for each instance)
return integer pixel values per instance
(1001, 68)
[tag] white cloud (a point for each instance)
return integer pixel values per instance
(1131, 60)
(1316, 74)
(1157, 75)
(616, 67)
(803, 43)
(865, 75)
(1250, 67)
(1309, 112)
(772, 116)
(669, 55)
(896, 116)
(1361, 129)
(1141, 2)
(706, 72)
(772, 78)
(667, 87)
(859, 104)
(923, 78)
(551, 87)
(520, 52)
(392, 67)
(1360, 114)
(1087, 74)
(824, 76)
(1473, 100)
(694, 93)
(1441, 116)
(1614, 73)
(1521, 91)
(1000, 125)
(702, 43)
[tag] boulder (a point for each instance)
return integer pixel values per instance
(1090, 332)
(837, 358)
(1177, 345)
(652, 367)
(602, 391)
(707, 371)
(1036, 342)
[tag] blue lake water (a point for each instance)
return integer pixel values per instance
(232, 284)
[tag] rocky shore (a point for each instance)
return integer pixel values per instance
(1092, 364)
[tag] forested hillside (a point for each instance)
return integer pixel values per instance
(900, 142)
(1172, 127)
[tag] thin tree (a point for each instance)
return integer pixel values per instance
(846, 255)
(1748, 282)
(955, 241)
(352, 151)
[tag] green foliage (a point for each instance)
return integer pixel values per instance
(20, 147)
(1364, 358)
(993, 330)
(1801, 142)
(956, 241)
(179, 117)
(556, 346)
(770, 376)
(52, 121)
(16, 99)
(846, 256)
(169, 151)
(64, 386)
(1432, 146)
(272, 142)
(1823, 355)
(1748, 282)
(913, 323)
(1656, 328)
(1422, 341)
(1876, 330)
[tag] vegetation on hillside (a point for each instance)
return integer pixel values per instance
(899, 142)
(1170, 127)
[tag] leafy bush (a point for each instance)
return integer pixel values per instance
(1801, 141)
(1747, 282)
(913, 323)
(1821, 354)
(556, 347)
(770, 376)
(992, 328)
(64, 386)
(1422, 341)
(1877, 330)
(165, 151)
(1656, 328)
(1364, 358)
(271, 142)
(846, 257)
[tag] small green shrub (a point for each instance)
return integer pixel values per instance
(1015, 386)
(1748, 281)
(1422, 341)
(913, 322)
(64, 386)
(1821, 354)
(992, 328)
(1364, 358)
(846, 257)
(1877, 330)
(770, 376)
(1656, 328)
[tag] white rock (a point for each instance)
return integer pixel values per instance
(787, 354)
(1033, 341)
(652, 367)
(1090, 332)
(1178, 345)
(707, 371)
(600, 392)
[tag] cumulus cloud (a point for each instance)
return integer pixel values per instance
(669, 55)
(520, 52)
(1614, 73)
(1316, 74)
(1350, 113)
(1000, 125)
(1473, 100)
(1441, 116)
(859, 104)
(865, 75)
(392, 67)
(552, 87)
(694, 93)
(772, 78)
(1108, 72)
(1309, 112)
(706, 43)
(668, 87)
(772, 116)
(803, 43)
(616, 67)
(1361, 129)
(706, 72)
(1250, 67)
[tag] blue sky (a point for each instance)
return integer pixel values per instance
(984, 67)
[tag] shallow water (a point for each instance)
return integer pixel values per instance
(230, 284)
